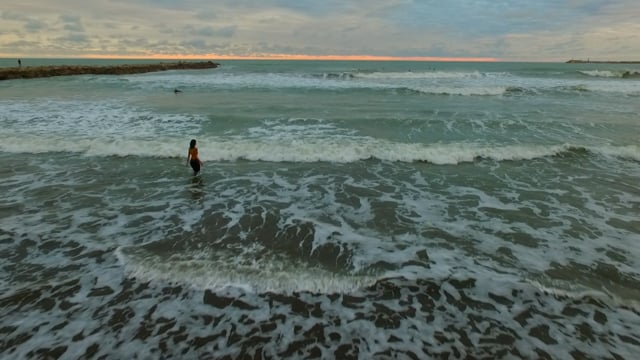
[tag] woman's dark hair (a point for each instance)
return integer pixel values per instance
(192, 144)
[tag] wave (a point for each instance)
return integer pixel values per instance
(424, 82)
(601, 73)
(339, 149)
(258, 271)
(517, 90)
(573, 88)
(422, 75)
(574, 292)
(621, 74)
(338, 76)
(256, 275)
(457, 90)
(472, 83)
(631, 152)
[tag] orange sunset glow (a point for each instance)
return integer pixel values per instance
(293, 57)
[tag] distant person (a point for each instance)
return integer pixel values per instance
(176, 91)
(192, 157)
(19, 63)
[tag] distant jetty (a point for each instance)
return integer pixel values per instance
(572, 61)
(30, 72)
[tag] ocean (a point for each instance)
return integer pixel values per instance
(349, 210)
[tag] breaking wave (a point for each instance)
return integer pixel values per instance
(341, 149)
(622, 74)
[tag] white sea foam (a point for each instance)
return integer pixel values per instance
(604, 73)
(34, 144)
(223, 270)
(470, 83)
(631, 152)
(102, 118)
(244, 81)
(477, 90)
(601, 73)
(345, 149)
(421, 75)
(504, 251)
(576, 291)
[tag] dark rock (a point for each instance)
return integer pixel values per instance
(542, 332)
(501, 299)
(352, 301)
(103, 291)
(221, 302)
(600, 317)
(46, 304)
(297, 306)
(268, 327)
(346, 351)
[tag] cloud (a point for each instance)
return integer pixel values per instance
(13, 16)
(76, 38)
(72, 23)
(20, 21)
(34, 26)
(207, 15)
(211, 31)
(510, 29)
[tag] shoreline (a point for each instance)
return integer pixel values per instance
(32, 72)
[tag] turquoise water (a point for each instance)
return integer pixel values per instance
(379, 209)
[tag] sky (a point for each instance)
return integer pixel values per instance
(503, 30)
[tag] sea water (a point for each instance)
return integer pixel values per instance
(344, 209)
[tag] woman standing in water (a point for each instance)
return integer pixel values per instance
(192, 157)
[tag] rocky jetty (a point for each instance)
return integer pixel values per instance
(573, 61)
(30, 72)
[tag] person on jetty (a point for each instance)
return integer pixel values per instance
(192, 157)
(19, 63)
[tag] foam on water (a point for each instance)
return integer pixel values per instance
(423, 75)
(220, 270)
(631, 152)
(314, 232)
(92, 119)
(608, 73)
(165, 284)
(457, 215)
(421, 82)
(338, 149)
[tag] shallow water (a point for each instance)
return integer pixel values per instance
(345, 209)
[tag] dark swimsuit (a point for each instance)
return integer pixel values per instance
(195, 162)
(195, 165)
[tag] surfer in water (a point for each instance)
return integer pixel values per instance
(176, 91)
(192, 157)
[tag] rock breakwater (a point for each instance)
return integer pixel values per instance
(575, 61)
(31, 72)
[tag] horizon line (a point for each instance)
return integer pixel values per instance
(290, 57)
